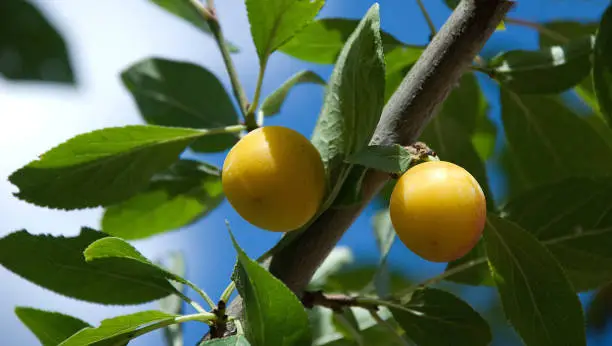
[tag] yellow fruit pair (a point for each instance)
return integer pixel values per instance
(275, 179)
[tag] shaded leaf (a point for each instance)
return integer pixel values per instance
(346, 324)
(565, 31)
(599, 310)
(351, 192)
(474, 264)
(323, 39)
(175, 198)
(100, 168)
(184, 9)
(338, 258)
(435, 317)
(57, 263)
(274, 22)
(537, 297)
(354, 98)
(182, 94)
(234, 340)
(123, 252)
(391, 159)
(550, 70)
(31, 49)
(267, 305)
(271, 105)
(51, 328)
(547, 142)
(385, 236)
(398, 61)
(118, 329)
(572, 218)
(357, 279)
(602, 64)
(371, 333)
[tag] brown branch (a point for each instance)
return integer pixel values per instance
(404, 117)
(409, 110)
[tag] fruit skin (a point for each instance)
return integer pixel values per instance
(274, 178)
(438, 210)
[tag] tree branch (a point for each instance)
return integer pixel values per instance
(404, 117)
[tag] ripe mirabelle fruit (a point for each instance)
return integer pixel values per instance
(274, 178)
(438, 210)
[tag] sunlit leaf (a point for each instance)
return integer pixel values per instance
(273, 314)
(175, 198)
(182, 94)
(274, 22)
(271, 105)
(58, 264)
(51, 328)
(102, 167)
(118, 329)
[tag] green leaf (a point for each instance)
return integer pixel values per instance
(565, 31)
(536, 295)
(234, 340)
(548, 71)
(434, 317)
(31, 49)
(451, 132)
(57, 263)
(267, 305)
(547, 142)
(346, 324)
(102, 167)
(385, 236)
(274, 22)
(328, 333)
(452, 3)
(357, 279)
(475, 272)
(181, 94)
(602, 64)
(398, 62)
(598, 312)
(51, 328)
(576, 228)
(323, 39)
(391, 159)
(338, 258)
(354, 98)
(123, 253)
(272, 104)
(184, 9)
(118, 329)
(175, 198)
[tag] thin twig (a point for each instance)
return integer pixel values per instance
(538, 27)
(209, 13)
(430, 24)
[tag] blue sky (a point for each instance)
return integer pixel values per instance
(107, 36)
